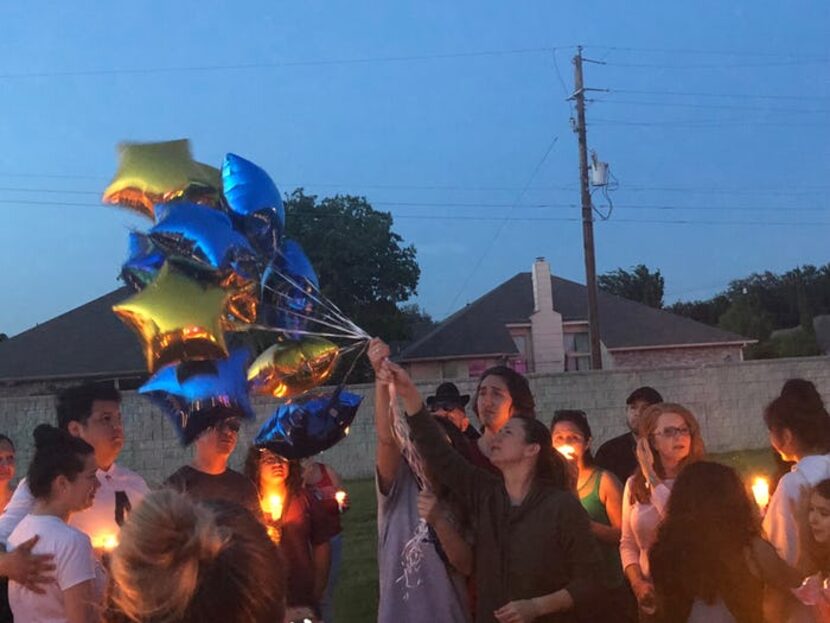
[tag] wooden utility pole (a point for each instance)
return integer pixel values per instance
(587, 215)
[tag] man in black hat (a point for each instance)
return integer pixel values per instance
(448, 403)
(618, 455)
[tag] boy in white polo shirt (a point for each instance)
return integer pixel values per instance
(93, 413)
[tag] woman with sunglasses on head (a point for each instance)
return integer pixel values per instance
(208, 476)
(669, 439)
(296, 520)
(600, 493)
(535, 558)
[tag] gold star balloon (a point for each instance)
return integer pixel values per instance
(153, 173)
(177, 318)
(288, 369)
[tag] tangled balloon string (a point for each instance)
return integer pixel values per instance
(413, 553)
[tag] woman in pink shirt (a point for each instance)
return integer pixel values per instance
(669, 439)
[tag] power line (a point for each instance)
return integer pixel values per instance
(788, 63)
(503, 224)
(278, 64)
(714, 106)
(722, 95)
(737, 53)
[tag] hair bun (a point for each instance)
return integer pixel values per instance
(46, 435)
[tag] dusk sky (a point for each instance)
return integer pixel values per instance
(716, 128)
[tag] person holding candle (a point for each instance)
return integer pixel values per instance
(799, 430)
(298, 521)
(709, 562)
(601, 495)
(185, 561)
(535, 557)
(62, 479)
(326, 485)
(669, 439)
(91, 412)
(208, 476)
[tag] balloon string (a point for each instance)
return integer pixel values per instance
(262, 327)
(341, 322)
(339, 327)
(319, 298)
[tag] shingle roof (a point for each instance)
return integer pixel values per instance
(479, 328)
(87, 341)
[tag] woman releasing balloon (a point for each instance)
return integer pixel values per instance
(536, 559)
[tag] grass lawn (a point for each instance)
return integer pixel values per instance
(357, 591)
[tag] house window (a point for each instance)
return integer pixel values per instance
(577, 351)
(476, 367)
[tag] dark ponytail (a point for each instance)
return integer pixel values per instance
(57, 453)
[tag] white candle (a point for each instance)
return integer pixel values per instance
(760, 490)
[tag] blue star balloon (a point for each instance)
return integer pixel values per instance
(255, 202)
(195, 395)
(309, 425)
(286, 286)
(202, 233)
(143, 263)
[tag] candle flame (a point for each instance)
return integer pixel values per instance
(567, 451)
(340, 496)
(106, 542)
(760, 490)
(273, 506)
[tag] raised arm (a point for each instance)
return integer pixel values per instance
(387, 452)
(442, 462)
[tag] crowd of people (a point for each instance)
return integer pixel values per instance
(495, 517)
(533, 526)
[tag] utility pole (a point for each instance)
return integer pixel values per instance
(587, 215)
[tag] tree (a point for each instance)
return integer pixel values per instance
(363, 265)
(3, 337)
(638, 284)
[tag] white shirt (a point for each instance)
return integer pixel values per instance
(640, 523)
(788, 508)
(74, 563)
(99, 520)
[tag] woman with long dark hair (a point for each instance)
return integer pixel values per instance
(500, 394)
(669, 439)
(297, 521)
(600, 493)
(535, 557)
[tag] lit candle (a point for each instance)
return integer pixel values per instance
(340, 496)
(273, 506)
(106, 542)
(567, 451)
(760, 490)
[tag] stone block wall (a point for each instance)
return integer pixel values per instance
(728, 399)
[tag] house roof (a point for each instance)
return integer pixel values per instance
(479, 328)
(88, 341)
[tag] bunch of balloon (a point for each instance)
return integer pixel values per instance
(214, 268)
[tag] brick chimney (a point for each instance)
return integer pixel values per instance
(546, 323)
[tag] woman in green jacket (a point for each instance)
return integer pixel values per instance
(535, 557)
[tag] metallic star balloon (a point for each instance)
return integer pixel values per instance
(143, 263)
(194, 395)
(288, 369)
(309, 425)
(255, 200)
(156, 173)
(177, 318)
(203, 233)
